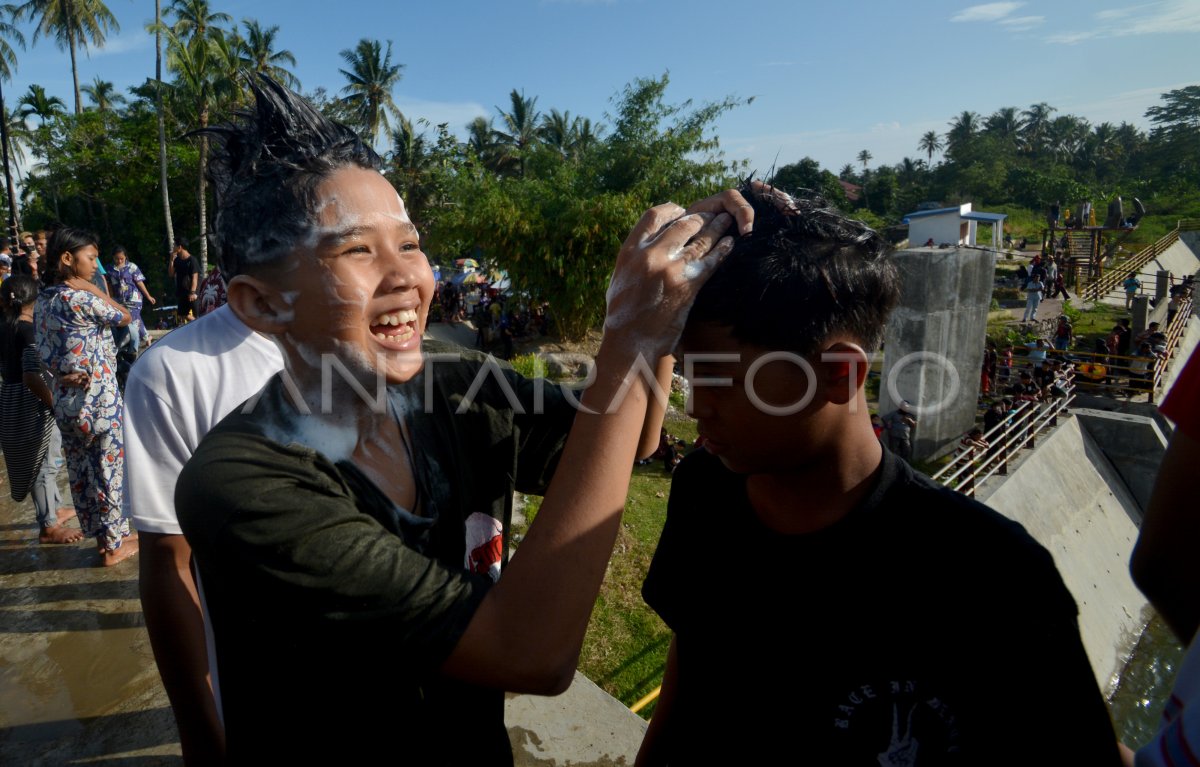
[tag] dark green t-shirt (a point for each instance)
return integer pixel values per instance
(332, 608)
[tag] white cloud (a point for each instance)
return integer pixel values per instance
(124, 44)
(1126, 106)
(1170, 16)
(1070, 38)
(1023, 23)
(986, 12)
(1156, 18)
(455, 114)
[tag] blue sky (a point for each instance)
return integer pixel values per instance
(829, 79)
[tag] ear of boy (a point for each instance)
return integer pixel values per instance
(843, 370)
(258, 305)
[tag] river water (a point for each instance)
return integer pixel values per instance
(1146, 683)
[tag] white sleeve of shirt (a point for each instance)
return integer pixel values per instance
(177, 391)
(155, 451)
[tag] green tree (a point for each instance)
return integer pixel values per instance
(807, 174)
(557, 130)
(256, 53)
(103, 94)
(35, 102)
(556, 229)
(481, 143)
(864, 157)
(8, 65)
(73, 24)
(963, 130)
(372, 77)
(804, 174)
(205, 67)
(930, 143)
(520, 133)
(1004, 124)
(1175, 137)
(1035, 125)
(160, 123)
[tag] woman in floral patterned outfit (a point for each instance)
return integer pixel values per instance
(128, 286)
(72, 318)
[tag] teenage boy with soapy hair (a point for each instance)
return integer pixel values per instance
(828, 602)
(349, 522)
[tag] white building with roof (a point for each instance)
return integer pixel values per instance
(951, 226)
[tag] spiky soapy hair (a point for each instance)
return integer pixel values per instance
(805, 273)
(265, 166)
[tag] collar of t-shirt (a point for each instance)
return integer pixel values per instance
(893, 472)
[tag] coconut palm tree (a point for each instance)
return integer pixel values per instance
(1004, 124)
(520, 128)
(963, 130)
(74, 24)
(194, 19)
(256, 53)
(103, 95)
(1037, 122)
(930, 143)
(587, 136)
(162, 131)
(864, 157)
(372, 77)
(204, 67)
(35, 102)
(481, 141)
(8, 65)
(557, 130)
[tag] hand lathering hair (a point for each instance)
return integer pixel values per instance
(805, 273)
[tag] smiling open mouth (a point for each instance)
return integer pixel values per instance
(396, 327)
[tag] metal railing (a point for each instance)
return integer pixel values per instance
(1091, 372)
(1005, 440)
(1111, 278)
(1115, 374)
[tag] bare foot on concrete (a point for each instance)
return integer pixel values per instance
(65, 513)
(60, 533)
(129, 547)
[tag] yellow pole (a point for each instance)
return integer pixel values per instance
(646, 701)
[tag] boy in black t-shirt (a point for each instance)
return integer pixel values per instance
(856, 613)
(349, 523)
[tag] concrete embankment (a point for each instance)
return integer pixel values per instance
(1073, 501)
(1081, 494)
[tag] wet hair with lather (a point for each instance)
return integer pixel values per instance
(804, 274)
(265, 166)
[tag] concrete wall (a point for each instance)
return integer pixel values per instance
(944, 302)
(1071, 499)
(583, 726)
(1133, 444)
